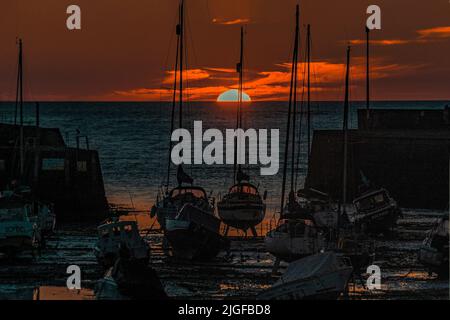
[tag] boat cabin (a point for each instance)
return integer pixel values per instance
(372, 200)
(298, 228)
(244, 188)
(187, 192)
(121, 229)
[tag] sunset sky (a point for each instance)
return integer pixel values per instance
(125, 50)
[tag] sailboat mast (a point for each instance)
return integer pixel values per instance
(20, 96)
(294, 107)
(345, 133)
(367, 75)
(288, 127)
(308, 35)
(174, 98)
(240, 70)
(181, 36)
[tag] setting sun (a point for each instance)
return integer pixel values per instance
(232, 95)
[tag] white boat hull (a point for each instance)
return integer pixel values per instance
(287, 248)
(326, 287)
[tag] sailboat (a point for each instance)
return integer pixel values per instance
(242, 207)
(23, 219)
(181, 210)
(376, 210)
(18, 232)
(297, 235)
(434, 251)
(309, 202)
(356, 246)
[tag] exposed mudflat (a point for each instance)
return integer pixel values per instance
(242, 275)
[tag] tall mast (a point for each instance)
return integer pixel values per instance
(174, 97)
(367, 76)
(288, 128)
(294, 104)
(181, 36)
(345, 133)
(20, 103)
(308, 34)
(240, 70)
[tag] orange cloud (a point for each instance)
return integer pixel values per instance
(231, 22)
(380, 42)
(191, 74)
(327, 78)
(437, 32)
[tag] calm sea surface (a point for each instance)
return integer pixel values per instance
(132, 139)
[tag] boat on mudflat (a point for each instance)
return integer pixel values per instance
(19, 233)
(320, 276)
(295, 239)
(242, 207)
(194, 234)
(116, 234)
(376, 211)
(434, 251)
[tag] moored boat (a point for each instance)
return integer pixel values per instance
(376, 212)
(434, 251)
(242, 207)
(295, 239)
(18, 232)
(194, 234)
(112, 235)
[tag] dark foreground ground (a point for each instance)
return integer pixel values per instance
(242, 275)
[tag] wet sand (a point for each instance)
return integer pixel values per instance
(242, 275)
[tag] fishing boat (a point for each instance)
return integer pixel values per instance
(434, 251)
(194, 234)
(242, 207)
(295, 239)
(376, 212)
(115, 234)
(320, 276)
(18, 233)
(296, 235)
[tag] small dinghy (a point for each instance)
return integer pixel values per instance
(195, 234)
(434, 251)
(295, 239)
(113, 235)
(320, 276)
(376, 212)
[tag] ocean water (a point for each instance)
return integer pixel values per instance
(132, 139)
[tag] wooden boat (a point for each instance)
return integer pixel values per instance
(194, 234)
(242, 207)
(116, 234)
(434, 251)
(320, 276)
